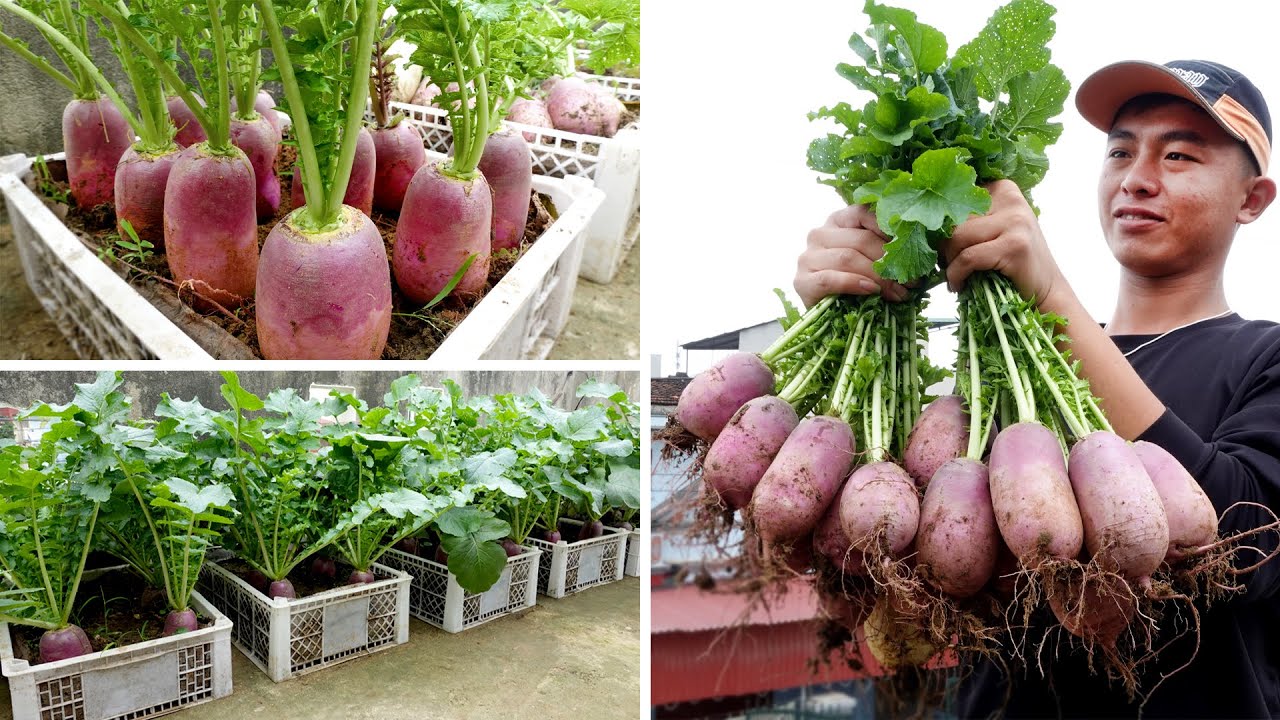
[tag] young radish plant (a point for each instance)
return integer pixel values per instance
(277, 463)
(210, 216)
(339, 305)
(48, 517)
(96, 128)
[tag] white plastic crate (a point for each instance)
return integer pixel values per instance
(569, 567)
(104, 318)
(626, 88)
(137, 681)
(436, 598)
(613, 164)
(287, 638)
(633, 554)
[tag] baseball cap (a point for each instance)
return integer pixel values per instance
(1224, 93)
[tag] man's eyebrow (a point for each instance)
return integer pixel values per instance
(1190, 136)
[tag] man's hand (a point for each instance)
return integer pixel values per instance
(838, 260)
(1007, 239)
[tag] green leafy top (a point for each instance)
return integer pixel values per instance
(614, 38)
(920, 150)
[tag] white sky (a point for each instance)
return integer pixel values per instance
(729, 199)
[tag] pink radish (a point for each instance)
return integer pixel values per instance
(359, 194)
(577, 107)
(361, 577)
(64, 643)
(140, 184)
(941, 433)
(1097, 609)
(958, 541)
(1031, 495)
(95, 136)
(426, 94)
(324, 295)
(711, 398)
(265, 105)
(803, 479)
(1193, 522)
(830, 541)
(210, 229)
(1125, 529)
(189, 130)
(180, 621)
(445, 219)
(282, 589)
(879, 509)
(508, 169)
(530, 112)
(399, 153)
(746, 447)
(260, 143)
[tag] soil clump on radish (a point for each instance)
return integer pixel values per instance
(115, 610)
(415, 334)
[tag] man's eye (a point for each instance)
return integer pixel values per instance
(1179, 156)
(1117, 153)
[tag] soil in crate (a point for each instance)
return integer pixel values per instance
(115, 610)
(305, 584)
(228, 334)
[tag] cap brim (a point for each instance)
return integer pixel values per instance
(1101, 95)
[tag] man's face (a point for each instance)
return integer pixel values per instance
(1172, 189)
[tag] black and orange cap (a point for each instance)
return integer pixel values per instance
(1227, 95)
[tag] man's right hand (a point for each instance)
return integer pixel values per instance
(838, 260)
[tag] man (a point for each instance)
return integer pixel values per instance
(1188, 145)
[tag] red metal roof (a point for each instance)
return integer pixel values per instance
(689, 609)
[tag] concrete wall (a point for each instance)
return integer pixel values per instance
(31, 122)
(32, 102)
(25, 388)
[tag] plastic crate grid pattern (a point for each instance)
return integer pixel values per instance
(556, 153)
(627, 89)
(63, 698)
(429, 591)
(90, 329)
(573, 559)
(251, 618)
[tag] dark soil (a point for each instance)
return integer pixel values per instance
(115, 610)
(415, 332)
(304, 583)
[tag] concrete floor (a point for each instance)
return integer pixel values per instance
(577, 658)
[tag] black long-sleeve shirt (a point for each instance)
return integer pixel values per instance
(1220, 383)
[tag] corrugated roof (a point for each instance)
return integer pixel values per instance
(688, 609)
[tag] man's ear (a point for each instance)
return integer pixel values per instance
(1262, 191)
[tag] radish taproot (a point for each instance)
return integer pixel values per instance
(95, 136)
(1031, 495)
(708, 402)
(1193, 522)
(831, 542)
(533, 112)
(803, 479)
(880, 511)
(398, 153)
(180, 621)
(64, 643)
(575, 106)
(324, 284)
(446, 219)
(184, 119)
(139, 192)
(1125, 529)
(940, 434)
(508, 169)
(745, 448)
(958, 541)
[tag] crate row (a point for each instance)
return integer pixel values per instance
(291, 637)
